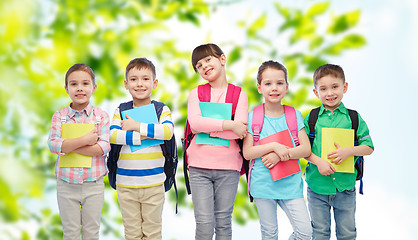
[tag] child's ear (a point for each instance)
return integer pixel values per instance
(345, 87)
(316, 93)
(259, 88)
(66, 90)
(287, 87)
(94, 88)
(155, 84)
(126, 84)
(222, 58)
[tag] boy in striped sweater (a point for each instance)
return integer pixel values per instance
(140, 176)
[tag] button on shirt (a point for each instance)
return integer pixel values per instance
(339, 118)
(88, 115)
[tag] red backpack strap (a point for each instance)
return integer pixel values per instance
(257, 125)
(203, 92)
(232, 96)
(292, 124)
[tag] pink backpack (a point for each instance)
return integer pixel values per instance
(232, 96)
(257, 125)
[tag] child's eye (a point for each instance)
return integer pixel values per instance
(335, 87)
(280, 83)
(73, 84)
(198, 66)
(208, 59)
(146, 79)
(322, 89)
(267, 84)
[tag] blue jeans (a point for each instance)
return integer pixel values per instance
(295, 210)
(213, 196)
(344, 207)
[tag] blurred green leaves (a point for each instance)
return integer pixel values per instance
(41, 39)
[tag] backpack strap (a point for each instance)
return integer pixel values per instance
(232, 96)
(257, 124)
(125, 106)
(354, 124)
(359, 164)
(291, 121)
(203, 92)
(313, 117)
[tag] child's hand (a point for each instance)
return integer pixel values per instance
(341, 154)
(91, 138)
(129, 124)
(194, 131)
(270, 159)
(240, 129)
(325, 168)
(282, 151)
(144, 137)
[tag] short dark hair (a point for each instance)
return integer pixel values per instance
(270, 64)
(80, 67)
(328, 69)
(140, 63)
(203, 51)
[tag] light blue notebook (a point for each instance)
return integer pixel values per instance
(143, 114)
(215, 111)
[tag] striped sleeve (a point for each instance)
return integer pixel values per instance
(122, 137)
(162, 130)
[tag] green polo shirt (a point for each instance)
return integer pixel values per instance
(329, 185)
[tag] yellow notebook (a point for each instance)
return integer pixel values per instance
(75, 130)
(345, 138)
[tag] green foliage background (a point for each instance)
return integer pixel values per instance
(41, 39)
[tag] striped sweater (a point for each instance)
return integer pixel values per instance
(144, 167)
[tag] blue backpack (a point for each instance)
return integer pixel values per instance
(169, 149)
(359, 164)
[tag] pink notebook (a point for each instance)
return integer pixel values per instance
(283, 168)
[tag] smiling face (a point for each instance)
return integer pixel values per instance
(330, 91)
(80, 87)
(273, 85)
(211, 68)
(140, 83)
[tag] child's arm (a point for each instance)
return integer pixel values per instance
(304, 148)
(365, 145)
(163, 130)
(122, 137)
(343, 153)
(226, 129)
(55, 140)
(90, 139)
(324, 167)
(252, 152)
(59, 145)
(237, 128)
(102, 146)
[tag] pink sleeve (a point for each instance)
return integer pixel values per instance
(196, 121)
(241, 114)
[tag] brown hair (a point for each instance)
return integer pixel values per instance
(80, 67)
(328, 69)
(270, 64)
(140, 63)
(203, 51)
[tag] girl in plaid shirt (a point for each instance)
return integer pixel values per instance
(80, 190)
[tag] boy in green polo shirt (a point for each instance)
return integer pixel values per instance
(326, 188)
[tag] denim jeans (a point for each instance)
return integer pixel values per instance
(213, 196)
(295, 210)
(344, 207)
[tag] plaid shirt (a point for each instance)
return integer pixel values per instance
(88, 115)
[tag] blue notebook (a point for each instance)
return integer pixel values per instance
(215, 111)
(143, 114)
